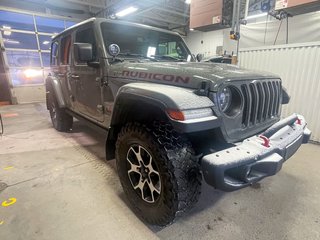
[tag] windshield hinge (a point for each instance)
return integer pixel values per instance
(203, 89)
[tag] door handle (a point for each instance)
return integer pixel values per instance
(74, 76)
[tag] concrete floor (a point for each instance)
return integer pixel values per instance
(65, 190)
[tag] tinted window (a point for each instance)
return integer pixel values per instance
(140, 41)
(65, 50)
(87, 36)
(54, 53)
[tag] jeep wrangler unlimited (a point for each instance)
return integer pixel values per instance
(169, 119)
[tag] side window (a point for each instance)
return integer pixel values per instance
(54, 53)
(65, 50)
(87, 36)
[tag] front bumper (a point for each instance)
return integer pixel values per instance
(256, 157)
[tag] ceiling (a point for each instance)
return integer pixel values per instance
(168, 14)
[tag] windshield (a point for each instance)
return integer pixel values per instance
(141, 42)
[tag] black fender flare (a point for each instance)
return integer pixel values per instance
(164, 98)
(54, 84)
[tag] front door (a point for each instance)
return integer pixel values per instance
(88, 92)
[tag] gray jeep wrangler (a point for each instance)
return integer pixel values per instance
(169, 120)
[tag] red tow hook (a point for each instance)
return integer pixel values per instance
(299, 121)
(266, 141)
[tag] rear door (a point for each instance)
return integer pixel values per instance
(88, 92)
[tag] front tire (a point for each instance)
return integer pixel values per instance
(158, 171)
(61, 120)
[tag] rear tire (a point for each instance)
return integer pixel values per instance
(61, 120)
(158, 171)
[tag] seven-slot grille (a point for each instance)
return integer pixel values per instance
(261, 101)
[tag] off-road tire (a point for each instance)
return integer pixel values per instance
(61, 120)
(177, 166)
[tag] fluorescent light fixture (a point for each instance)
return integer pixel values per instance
(45, 42)
(257, 15)
(188, 1)
(6, 33)
(6, 40)
(126, 11)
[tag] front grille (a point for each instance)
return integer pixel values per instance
(261, 101)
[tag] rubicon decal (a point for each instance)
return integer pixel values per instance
(156, 76)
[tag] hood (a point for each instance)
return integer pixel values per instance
(185, 74)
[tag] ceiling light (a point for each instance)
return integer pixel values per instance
(188, 1)
(126, 11)
(11, 41)
(257, 15)
(191, 29)
(45, 42)
(6, 33)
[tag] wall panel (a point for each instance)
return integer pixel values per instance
(298, 66)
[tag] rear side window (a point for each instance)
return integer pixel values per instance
(87, 36)
(65, 50)
(54, 53)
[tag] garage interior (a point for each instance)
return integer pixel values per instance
(56, 185)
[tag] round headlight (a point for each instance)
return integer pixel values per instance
(224, 99)
(229, 101)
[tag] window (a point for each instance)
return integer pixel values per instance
(54, 53)
(23, 59)
(65, 50)
(12, 20)
(19, 40)
(87, 36)
(140, 41)
(69, 23)
(49, 25)
(44, 42)
(45, 59)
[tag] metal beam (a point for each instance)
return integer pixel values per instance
(173, 12)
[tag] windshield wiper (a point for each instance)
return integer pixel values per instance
(138, 55)
(166, 57)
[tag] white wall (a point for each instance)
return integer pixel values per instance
(302, 28)
(210, 42)
(298, 66)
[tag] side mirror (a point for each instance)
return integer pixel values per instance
(199, 57)
(83, 52)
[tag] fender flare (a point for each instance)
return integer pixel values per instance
(163, 97)
(54, 83)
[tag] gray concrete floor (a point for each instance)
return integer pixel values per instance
(65, 190)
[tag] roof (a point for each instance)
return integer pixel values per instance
(101, 20)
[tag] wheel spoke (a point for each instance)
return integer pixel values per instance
(153, 188)
(138, 154)
(143, 173)
(151, 169)
(134, 167)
